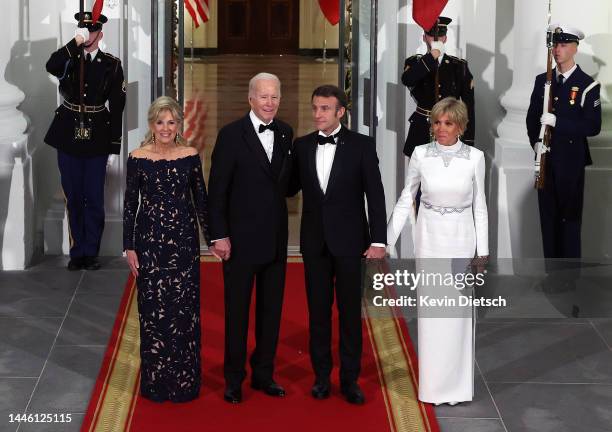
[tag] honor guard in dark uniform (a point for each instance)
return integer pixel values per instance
(432, 77)
(576, 115)
(85, 133)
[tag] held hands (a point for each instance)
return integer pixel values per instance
(221, 249)
(548, 119)
(132, 260)
(81, 35)
(479, 263)
(375, 252)
(437, 49)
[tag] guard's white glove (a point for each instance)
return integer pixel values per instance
(111, 160)
(541, 148)
(437, 45)
(81, 34)
(548, 119)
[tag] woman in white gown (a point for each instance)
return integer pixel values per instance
(451, 224)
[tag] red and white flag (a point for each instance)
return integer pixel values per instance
(198, 9)
(331, 10)
(426, 12)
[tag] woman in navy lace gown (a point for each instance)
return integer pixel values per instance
(165, 198)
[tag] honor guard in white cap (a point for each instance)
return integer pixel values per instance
(574, 116)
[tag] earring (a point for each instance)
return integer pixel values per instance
(153, 139)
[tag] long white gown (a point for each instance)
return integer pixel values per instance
(452, 224)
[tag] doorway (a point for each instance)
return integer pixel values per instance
(258, 26)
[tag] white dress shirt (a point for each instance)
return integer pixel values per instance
(565, 74)
(93, 54)
(325, 160)
(266, 137)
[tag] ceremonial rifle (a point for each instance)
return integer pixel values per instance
(543, 145)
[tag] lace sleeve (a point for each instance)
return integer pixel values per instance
(200, 199)
(130, 202)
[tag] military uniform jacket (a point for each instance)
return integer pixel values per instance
(577, 106)
(103, 82)
(455, 79)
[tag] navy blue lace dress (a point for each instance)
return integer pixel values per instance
(164, 200)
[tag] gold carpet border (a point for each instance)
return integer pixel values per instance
(381, 377)
(394, 363)
(112, 413)
(396, 373)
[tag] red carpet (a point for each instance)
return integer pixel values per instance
(298, 411)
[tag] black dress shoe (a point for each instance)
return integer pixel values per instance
(270, 388)
(75, 264)
(233, 395)
(353, 394)
(320, 389)
(91, 263)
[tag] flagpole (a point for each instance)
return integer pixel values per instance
(324, 59)
(192, 32)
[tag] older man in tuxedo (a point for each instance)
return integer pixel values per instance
(336, 169)
(249, 175)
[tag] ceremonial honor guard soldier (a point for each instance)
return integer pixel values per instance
(575, 115)
(85, 132)
(432, 77)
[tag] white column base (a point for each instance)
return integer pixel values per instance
(17, 245)
(57, 240)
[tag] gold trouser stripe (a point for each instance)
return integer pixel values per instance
(70, 238)
(112, 413)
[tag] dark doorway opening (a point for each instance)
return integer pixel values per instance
(258, 26)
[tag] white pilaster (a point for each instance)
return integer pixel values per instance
(15, 193)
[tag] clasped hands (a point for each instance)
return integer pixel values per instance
(221, 249)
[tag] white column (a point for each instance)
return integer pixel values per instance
(518, 231)
(15, 243)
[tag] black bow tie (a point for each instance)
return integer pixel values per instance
(272, 126)
(322, 140)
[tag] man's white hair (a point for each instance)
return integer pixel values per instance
(263, 76)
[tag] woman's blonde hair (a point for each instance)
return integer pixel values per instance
(159, 105)
(454, 108)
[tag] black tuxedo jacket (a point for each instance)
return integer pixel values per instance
(247, 192)
(338, 217)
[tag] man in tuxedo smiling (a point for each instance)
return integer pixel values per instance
(335, 168)
(249, 176)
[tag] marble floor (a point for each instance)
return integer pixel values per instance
(531, 374)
